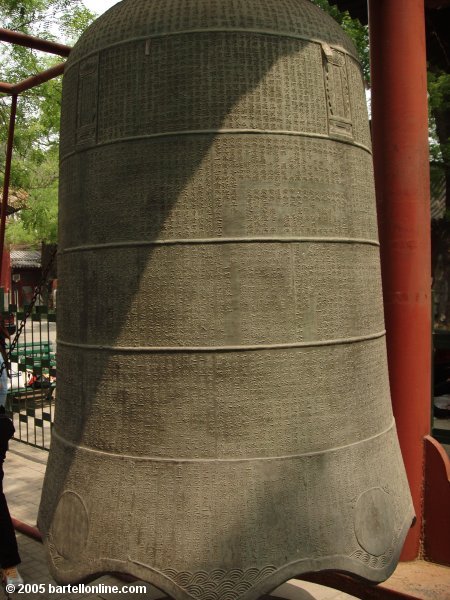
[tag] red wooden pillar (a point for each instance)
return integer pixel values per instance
(400, 143)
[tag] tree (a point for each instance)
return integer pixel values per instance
(355, 30)
(439, 103)
(35, 159)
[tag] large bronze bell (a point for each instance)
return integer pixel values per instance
(223, 418)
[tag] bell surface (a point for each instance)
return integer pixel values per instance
(223, 420)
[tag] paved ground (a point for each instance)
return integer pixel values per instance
(24, 472)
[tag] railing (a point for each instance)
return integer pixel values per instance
(32, 376)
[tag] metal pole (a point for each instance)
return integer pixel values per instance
(34, 80)
(9, 151)
(6, 88)
(42, 77)
(400, 143)
(29, 41)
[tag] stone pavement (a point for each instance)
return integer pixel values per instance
(24, 473)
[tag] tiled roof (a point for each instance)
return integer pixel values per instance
(25, 259)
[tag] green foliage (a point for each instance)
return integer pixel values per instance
(439, 90)
(57, 20)
(35, 158)
(438, 93)
(439, 128)
(439, 103)
(17, 234)
(40, 217)
(355, 30)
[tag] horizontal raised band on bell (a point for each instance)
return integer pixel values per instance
(251, 30)
(244, 348)
(221, 460)
(187, 132)
(224, 240)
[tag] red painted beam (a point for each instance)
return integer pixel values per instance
(437, 503)
(400, 144)
(29, 41)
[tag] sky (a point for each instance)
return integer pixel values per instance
(99, 6)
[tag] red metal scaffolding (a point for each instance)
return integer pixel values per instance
(14, 89)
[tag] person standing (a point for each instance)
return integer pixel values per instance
(4, 365)
(9, 552)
